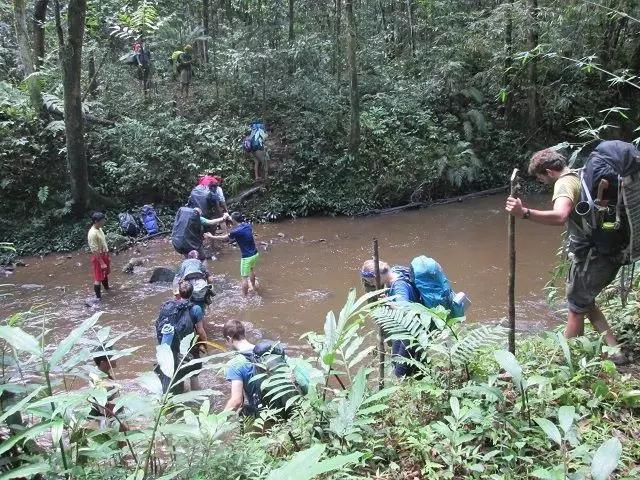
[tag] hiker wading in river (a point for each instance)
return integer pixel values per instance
(242, 232)
(100, 264)
(588, 274)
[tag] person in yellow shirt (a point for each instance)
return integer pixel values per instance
(586, 278)
(100, 264)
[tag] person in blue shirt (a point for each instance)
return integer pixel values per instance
(242, 233)
(239, 370)
(400, 287)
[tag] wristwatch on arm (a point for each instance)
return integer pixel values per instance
(527, 213)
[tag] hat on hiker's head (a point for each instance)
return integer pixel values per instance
(97, 216)
(213, 182)
(188, 48)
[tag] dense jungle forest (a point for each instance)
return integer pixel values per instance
(367, 103)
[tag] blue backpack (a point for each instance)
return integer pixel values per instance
(149, 219)
(433, 285)
(255, 140)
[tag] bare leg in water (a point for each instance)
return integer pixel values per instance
(254, 281)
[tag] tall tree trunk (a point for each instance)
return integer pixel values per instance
(25, 53)
(354, 136)
(93, 78)
(338, 44)
(291, 30)
(71, 56)
(412, 40)
(39, 19)
(508, 58)
(532, 67)
(205, 28)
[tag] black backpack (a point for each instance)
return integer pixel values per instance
(610, 172)
(202, 197)
(177, 314)
(269, 359)
(187, 231)
(128, 224)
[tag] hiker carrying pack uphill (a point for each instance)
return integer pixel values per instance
(178, 319)
(427, 285)
(599, 204)
(259, 373)
(255, 145)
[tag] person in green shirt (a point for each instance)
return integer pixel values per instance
(587, 277)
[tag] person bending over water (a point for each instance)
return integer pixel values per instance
(242, 232)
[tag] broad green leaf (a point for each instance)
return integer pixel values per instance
(185, 344)
(164, 356)
(509, 363)
(25, 471)
(305, 465)
(606, 459)
(361, 356)
(20, 340)
(151, 382)
(565, 349)
(20, 405)
(28, 434)
(550, 429)
(566, 416)
(70, 341)
(57, 428)
(455, 407)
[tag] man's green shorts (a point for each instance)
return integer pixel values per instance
(247, 263)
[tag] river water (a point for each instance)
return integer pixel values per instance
(306, 269)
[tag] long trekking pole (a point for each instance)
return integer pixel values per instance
(381, 348)
(511, 284)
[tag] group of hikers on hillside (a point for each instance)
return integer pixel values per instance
(595, 203)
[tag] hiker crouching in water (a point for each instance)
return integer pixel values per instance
(587, 276)
(242, 232)
(178, 319)
(403, 290)
(193, 270)
(100, 263)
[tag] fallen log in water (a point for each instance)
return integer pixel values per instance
(444, 201)
(137, 240)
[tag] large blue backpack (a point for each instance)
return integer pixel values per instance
(257, 136)
(434, 287)
(149, 219)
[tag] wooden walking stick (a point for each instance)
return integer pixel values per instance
(381, 347)
(511, 284)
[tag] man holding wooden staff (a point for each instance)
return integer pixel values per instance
(589, 274)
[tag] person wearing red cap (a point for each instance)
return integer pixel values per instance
(207, 180)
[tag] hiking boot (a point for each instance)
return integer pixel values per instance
(619, 359)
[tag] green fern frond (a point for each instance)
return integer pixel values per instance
(473, 341)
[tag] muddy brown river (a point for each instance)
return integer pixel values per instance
(306, 269)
